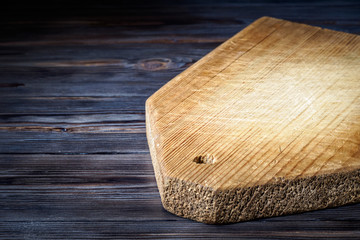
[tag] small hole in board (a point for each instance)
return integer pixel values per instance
(204, 159)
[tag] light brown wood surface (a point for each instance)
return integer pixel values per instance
(266, 124)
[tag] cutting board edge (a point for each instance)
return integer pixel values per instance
(204, 204)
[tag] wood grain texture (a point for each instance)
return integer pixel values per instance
(266, 124)
(74, 78)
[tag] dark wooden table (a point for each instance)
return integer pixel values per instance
(74, 159)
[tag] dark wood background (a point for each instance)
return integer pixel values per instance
(74, 78)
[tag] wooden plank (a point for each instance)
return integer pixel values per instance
(41, 75)
(43, 170)
(62, 142)
(74, 123)
(119, 84)
(71, 105)
(266, 124)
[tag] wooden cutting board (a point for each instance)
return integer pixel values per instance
(266, 124)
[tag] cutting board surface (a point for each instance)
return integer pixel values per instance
(277, 104)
